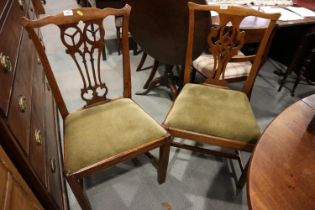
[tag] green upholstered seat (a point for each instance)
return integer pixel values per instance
(94, 134)
(214, 111)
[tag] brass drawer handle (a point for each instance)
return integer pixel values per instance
(21, 3)
(5, 63)
(52, 164)
(22, 103)
(38, 137)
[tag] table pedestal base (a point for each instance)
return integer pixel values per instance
(167, 79)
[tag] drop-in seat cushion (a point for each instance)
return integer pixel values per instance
(99, 132)
(204, 64)
(214, 111)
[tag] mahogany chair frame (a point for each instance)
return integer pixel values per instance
(92, 17)
(228, 14)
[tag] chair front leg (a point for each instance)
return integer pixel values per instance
(163, 161)
(78, 191)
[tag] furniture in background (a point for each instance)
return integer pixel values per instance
(303, 63)
(93, 137)
(310, 4)
(281, 171)
(28, 116)
(15, 193)
(237, 68)
(211, 113)
(160, 28)
(101, 4)
(289, 35)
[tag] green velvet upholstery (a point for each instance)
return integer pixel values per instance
(214, 111)
(94, 134)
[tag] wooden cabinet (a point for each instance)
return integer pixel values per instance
(14, 192)
(28, 115)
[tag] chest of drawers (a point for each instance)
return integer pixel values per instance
(28, 116)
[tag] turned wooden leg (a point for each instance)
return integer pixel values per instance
(163, 161)
(78, 191)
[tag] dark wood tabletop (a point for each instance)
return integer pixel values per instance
(160, 27)
(282, 170)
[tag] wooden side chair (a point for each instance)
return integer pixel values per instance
(211, 113)
(105, 131)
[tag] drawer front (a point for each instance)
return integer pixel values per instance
(54, 173)
(20, 109)
(3, 5)
(10, 31)
(37, 154)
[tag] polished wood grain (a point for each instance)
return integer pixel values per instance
(281, 172)
(14, 192)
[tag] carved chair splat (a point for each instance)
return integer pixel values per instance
(93, 137)
(211, 113)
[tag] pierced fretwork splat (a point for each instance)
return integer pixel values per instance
(84, 41)
(224, 42)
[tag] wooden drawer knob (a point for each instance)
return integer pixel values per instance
(22, 103)
(5, 63)
(38, 136)
(52, 164)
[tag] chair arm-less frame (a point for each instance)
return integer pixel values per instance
(211, 113)
(105, 131)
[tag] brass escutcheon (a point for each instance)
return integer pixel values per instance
(22, 103)
(5, 63)
(38, 136)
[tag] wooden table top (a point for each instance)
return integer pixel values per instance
(282, 170)
(160, 27)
